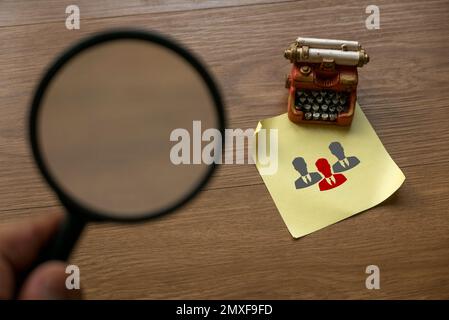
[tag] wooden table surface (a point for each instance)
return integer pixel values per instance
(231, 242)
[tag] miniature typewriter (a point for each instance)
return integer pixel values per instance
(323, 80)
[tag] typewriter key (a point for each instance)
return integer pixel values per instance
(340, 108)
(316, 116)
(297, 107)
(324, 116)
(324, 107)
(308, 115)
(331, 94)
(319, 99)
(322, 93)
(332, 116)
(316, 107)
(343, 100)
(332, 109)
(310, 99)
(307, 107)
(314, 93)
(327, 101)
(299, 93)
(302, 100)
(335, 101)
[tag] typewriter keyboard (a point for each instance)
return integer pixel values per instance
(322, 105)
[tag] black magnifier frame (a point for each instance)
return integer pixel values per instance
(78, 214)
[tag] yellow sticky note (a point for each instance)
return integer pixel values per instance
(325, 174)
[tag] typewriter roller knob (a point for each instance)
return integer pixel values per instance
(364, 58)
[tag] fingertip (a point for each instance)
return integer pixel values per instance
(21, 242)
(48, 282)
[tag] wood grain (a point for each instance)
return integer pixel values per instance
(21, 12)
(231, 241)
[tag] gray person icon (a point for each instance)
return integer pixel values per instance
(306, 179)
(344, 163)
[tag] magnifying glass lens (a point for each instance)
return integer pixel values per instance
(104, 126)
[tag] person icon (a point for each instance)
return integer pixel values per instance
(306, 179)
(330, 180)
(344, 163)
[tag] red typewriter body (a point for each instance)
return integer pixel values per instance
(336, 85)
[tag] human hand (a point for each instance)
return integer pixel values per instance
(20, 245)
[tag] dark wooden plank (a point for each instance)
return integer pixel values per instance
(22, 12)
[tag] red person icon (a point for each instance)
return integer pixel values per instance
(330, 180)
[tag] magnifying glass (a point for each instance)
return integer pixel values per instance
(101, 124)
